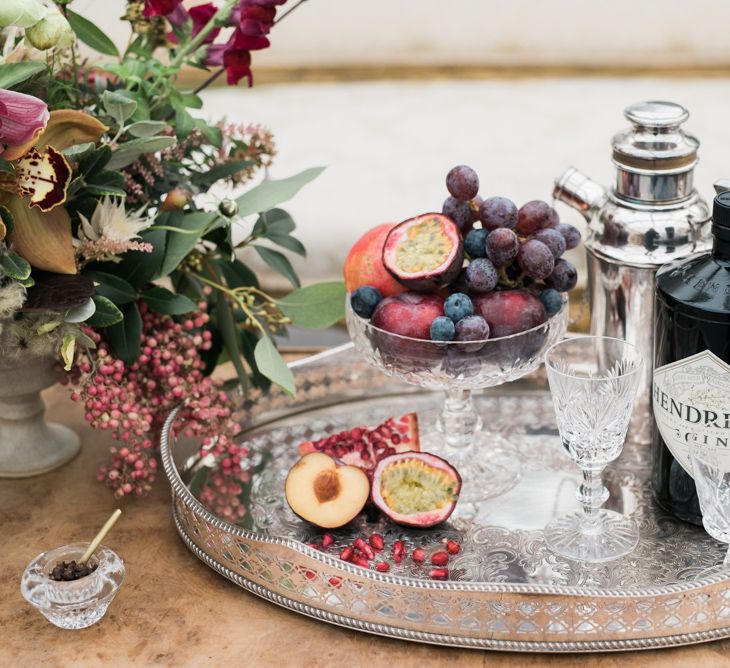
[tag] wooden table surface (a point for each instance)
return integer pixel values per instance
(174, 611)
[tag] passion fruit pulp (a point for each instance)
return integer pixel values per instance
(415, 489)
(424, 253)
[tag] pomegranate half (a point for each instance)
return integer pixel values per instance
(424, 253)
(364, 447)
(415, 489)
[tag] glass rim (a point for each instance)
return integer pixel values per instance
(583, 337)
(367, 323)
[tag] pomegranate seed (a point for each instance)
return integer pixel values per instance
(452, 547)
(399, 548)
(361, 545)
(346, 554)
(438, 573)
(419, 556)
(361, 561)
(397, 558)
(383, 567)
(335, 582)
(376, 541)
(327, 540)
(440, 558)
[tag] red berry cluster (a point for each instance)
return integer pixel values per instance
(133, 401)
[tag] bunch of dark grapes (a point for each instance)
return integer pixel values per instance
(522, 247)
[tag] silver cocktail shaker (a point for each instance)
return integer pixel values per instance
(650, 216)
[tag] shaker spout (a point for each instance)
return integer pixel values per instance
(721, 185)
(579, 191)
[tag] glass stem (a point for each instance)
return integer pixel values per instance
(459, 420)
(591, 495)
(726, 562)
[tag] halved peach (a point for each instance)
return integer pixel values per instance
(325, 494)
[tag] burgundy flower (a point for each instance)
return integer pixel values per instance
(238, 65)
(256, 20)
(201, 14)
(160, 7)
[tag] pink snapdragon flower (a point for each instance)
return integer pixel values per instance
(22, 118)
(160, 7)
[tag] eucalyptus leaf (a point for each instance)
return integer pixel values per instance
(118, 106)
(272, 365)
(178, 245)
(219, 172)
(12, 74)
(184, 123)
(227, 327)
(279, 263)
(316, 306)
(288, 242)
(270, 193)
(78, 150)
(81, 313)
(15, 266)
(106, 314)
(128, 152)
(112, 287)
(276, 221)
(91, 35)
(146, 128)
(125, 336)
(161, 300)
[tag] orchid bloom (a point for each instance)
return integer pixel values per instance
(22, 119)
(36, 188)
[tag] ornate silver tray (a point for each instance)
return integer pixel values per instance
(506, 590)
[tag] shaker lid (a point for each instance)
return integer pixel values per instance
(655, 142)
(721, 215)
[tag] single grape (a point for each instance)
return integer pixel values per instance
(460, 212)
(496, 212)
(563, 277)
(551, 300)
(533, 216)
(364, 300)
(472, 328)
(481, 275)
(458, 306)
(570, 233)
(474, 204)
(535, 259)
(442, 329)
(553, 219)
(502, 246)
(553, 240)
(475, 243)
(462, 182)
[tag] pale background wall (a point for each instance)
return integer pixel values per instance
(388, 144)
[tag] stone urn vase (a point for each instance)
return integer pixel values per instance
(28, 444)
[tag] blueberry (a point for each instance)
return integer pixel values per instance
(364, 300)
(472, 328)
(442, 329)
(475, 243)
(458, 306)
(551, 300)
(481, 275)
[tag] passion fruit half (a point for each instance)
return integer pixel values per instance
(424, 253)
(415, 489)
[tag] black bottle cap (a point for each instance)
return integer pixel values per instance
(721, 216)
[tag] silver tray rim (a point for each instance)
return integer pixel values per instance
(181, 491)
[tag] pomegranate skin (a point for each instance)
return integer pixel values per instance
(409, 314)
(509, 312)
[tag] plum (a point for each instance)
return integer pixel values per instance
(408, 314)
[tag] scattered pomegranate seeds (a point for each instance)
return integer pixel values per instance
(361, 545)
(361, 561)
(419, 556)
(399, 548)
(383, 567)
(376, 541)
(440, 558)
(327, 540)
(335, 582)
(438, 573)
(347, 553)
(452, 547)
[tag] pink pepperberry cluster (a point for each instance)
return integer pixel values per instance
(133, 401)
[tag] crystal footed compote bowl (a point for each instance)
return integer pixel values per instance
(482, 458)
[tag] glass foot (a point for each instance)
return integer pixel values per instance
(613, 536)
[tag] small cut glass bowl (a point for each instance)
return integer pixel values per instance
(483, 458)
(78, 603)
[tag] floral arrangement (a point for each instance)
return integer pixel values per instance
(126, 219)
